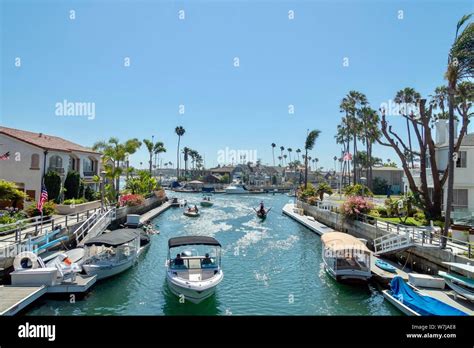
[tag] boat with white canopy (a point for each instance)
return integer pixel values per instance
(196, 270)
(345, 257)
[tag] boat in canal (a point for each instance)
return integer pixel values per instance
(206, 201)
(262, 213)
(345, 257)
(192, 274)
(191, 212)
(461, 284)
(111, 253)
(236, 188)
(411, 301)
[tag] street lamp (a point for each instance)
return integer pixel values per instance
(102, 189)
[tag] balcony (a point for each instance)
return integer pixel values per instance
(89, 173)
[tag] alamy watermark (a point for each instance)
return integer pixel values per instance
(68, 108)
(392, 108)
(233, 156)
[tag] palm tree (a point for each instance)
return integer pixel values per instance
(370, 133)
(273, 153)
(407, 96)
(279, 159)
(298, 151)
(460, 67)
(186, 157)
(157, 149)
(284, 159)
(282, 148)
(149, 146)
(180, 132)
(308, 146)
(115, 152)
(289, 152)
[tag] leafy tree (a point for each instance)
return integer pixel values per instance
(379, 186)
(309, 144)
(357, 190)
(8, 191)
(225, 179)
(323, 188)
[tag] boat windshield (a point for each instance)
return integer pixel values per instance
(198, 257)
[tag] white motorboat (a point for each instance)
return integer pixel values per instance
(345, 257)
(236, 188)
(191, 274)
(111, 253)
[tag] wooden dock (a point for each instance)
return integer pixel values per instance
(154, 212)
(307, 221)
(81, 284)
(14, 298)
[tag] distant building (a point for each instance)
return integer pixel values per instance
(393, 176)
(30, 152)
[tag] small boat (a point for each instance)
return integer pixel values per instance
(462, 285)
(192, 274)
(262, 214)
(385, 266)
(345, 257)
(191, 213)
(175, 202)
(411, 301)
(206, 202)
(111, 253)
(236, 188)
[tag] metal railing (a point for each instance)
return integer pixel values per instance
(94, 225)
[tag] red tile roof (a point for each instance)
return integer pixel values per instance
(44, 141)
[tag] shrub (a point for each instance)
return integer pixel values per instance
(49, 208)
(81, 188)
(9, 192)
(310, 191)
(375, 213)
(323, 188)
(75, 201)
(89, 194)
(357, 190)
(356, 205)
(382, 211)
(131, 200)
(419, 216)
(312, 200)
(52, 181)
(379, 186)
(72, 185)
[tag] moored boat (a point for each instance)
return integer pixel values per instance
(236, 188)
(385, 266)
(411, 301)
(461, 284)
(111, 253)
(192, 274)
(345, 257)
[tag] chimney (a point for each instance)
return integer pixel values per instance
(441, 131)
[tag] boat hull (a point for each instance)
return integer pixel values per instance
(193, 292)
(351, 276)
(106, 271)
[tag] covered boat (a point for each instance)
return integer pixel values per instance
(111, 253)
(345, 257)
(194, 274)
(412, 302)
(462, 285)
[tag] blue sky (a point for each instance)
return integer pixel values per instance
(190, 62)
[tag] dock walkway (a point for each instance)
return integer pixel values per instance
(307, 221)
(154, 212)
(14, 298)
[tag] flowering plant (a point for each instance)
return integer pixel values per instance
(131, 200)
(355, 205)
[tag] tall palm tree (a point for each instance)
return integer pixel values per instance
(289, 152)
(279, 159)
(460, 67)
(186, 157)
(407, 96)
(284, 159)
(308, 146)
(282, 148)
(298, 151)
(180, 132)
(273, 153)
(370, 132)
(158, 148)
(149, 146)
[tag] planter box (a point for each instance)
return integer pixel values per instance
(67, 209)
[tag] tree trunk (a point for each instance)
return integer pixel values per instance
(177, 160)
(409, 140)
(450, 186)
(306, 170)
(354, 159)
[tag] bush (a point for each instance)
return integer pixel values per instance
(379, 186)
(419, 216)
(375, 213)
(72, 185)
(358, 190)
(52, 181)
(89, 194)
(312, 200)
(323, 188)
(131, 200)
(310, 191)
(9, 192)
(75, 201)
(382, 211)
(81, 189)
(49, 208)
(356, 205)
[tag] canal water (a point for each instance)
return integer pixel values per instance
(272, 267)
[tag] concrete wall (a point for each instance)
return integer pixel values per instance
(67, 209)
(121, 213)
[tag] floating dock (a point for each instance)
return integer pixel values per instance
(385, 277)
(291, 210)
(14, 298)
(154, 212)
(81, 284)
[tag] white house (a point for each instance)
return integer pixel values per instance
(32, 154)
(463, 195)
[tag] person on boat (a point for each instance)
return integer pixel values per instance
(206, 260)
(178, 261)
(196, 208)
(261, 210)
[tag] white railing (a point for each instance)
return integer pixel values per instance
(391, 242)
(94, 225)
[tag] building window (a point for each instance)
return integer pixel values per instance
(87, 165)
(56, 162)
(460, 199)
(462, 159)
(35, 159)
(72, 163)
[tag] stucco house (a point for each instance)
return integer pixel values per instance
(31, 154)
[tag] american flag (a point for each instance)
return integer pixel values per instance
(43, 198)
(347, 156)
(5, 156)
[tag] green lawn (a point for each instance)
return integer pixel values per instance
(410, 221)
(394, 197)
